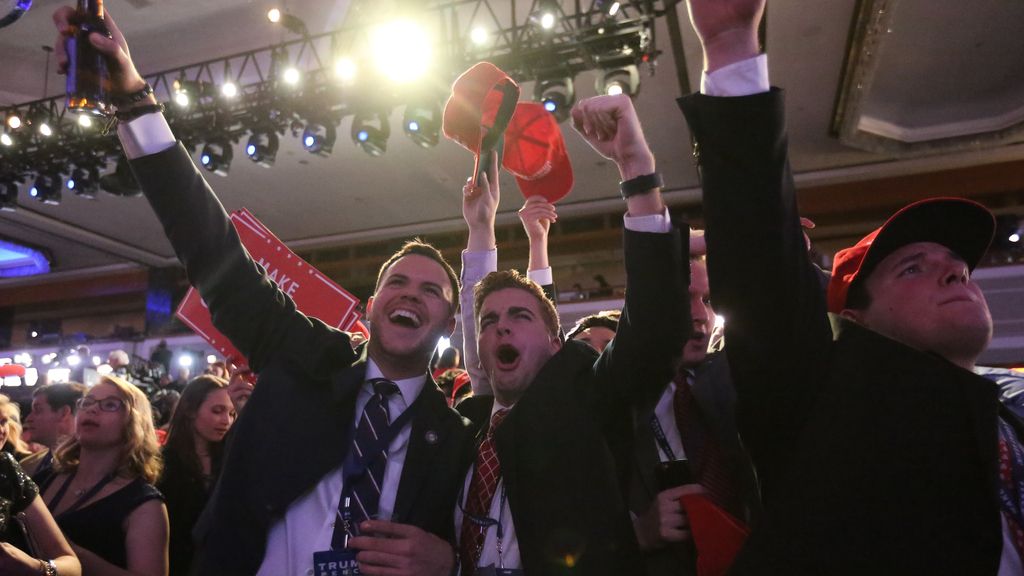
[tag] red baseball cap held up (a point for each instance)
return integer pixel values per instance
(963, 226)
(481, 104)
(535, 153)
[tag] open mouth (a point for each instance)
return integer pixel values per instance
(405, 318)
(507, 356)
(698, 336)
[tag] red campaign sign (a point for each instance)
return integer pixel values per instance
(314, 294)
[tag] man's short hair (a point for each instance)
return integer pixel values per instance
(60, 395)
(421, 248)
(605, 319)
(513, 279)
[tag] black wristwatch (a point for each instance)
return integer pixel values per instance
(640, 184)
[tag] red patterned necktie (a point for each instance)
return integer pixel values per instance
(481, 492)
(703, 451)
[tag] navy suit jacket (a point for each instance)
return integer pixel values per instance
(296, 426)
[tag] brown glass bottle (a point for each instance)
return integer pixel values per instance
(88, 81)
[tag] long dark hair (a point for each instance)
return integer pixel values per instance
(181, 432)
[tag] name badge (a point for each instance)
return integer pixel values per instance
(494, 571)
(335, 563)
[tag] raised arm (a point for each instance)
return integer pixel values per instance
(246, 306)
(654, 321)
(763, 282)
(479, 207)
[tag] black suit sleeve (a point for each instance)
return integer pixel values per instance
(761, 277)
(654, 324)
(245, 304)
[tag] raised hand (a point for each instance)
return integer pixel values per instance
(124, 78)
(727, 29)
(611, 127)
(479, 207)
(537, 214)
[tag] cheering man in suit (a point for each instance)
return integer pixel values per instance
(376, 431)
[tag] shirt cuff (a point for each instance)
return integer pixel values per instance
(145, 135)
(542, 276)
(741, 78)
(655, 223)
(477, 263)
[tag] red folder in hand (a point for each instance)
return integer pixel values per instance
(717, 535)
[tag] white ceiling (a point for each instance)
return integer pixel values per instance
(348, 196)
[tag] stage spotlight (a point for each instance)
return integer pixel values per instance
(187, 92)
(291, 22)
(262, 148)
(14, 121)
(319, 138)
(8, 196)
(423, 124)
(625, 80)
(45, 129)
(85, 121)
(1009, 228)
(371, 132)
(121, 182)
(557, 95)
(46, 188)
(345, 70)
(216, 156)
(291, 75)
(479, 36)
(614, 9)
(84, 183)
(402, 49)
(6, 139)
(229, 89)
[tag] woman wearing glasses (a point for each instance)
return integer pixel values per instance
(102, 493)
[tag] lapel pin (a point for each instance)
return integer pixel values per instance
(430, 437)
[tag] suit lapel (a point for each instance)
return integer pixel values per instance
(645, 453)
(427, 436)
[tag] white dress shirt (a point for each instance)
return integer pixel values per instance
(308, 524)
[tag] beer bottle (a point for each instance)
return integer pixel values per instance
(88, 81)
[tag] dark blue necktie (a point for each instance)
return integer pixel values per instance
(374, 422)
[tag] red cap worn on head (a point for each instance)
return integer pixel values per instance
(963, 226)
(535, 153)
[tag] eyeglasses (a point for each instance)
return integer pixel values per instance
(109, 404)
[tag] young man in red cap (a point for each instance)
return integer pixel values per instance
(544, 495)
(879, 451)
(382, 454)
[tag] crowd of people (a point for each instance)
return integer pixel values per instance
(837, 427)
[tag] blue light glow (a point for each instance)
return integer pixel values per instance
(414, 126)
(17, 260)
(205, 159)
(250, 149)
(550, 105)
(33, 192)
(71, 183)
(363, 136)
(309, 141)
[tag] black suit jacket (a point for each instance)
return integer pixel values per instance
(873, 458)
(296, 426)
(558, 445)
(716, 401)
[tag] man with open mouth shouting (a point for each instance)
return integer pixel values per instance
(544, 494)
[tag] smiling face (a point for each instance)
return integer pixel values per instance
(921, 295)
(412, 307)
(514, 341)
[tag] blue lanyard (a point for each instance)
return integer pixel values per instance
(486, 522)
(661, 439)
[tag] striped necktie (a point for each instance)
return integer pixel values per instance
(372, 424)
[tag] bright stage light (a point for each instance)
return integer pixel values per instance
(402, 50)
(345, 69)
(291, 75)
(547, 21)
(229, 89)
(85, 121)
(479, 36)
(274, 15)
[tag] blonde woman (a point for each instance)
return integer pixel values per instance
(102, 493)
(10, 429)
